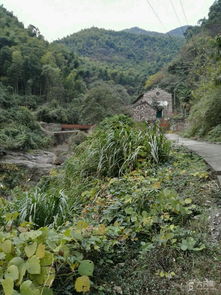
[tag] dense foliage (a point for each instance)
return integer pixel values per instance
(18, 127)
(49, 80)
(124, 57)
(117, 147)
(59, 86)
(194, 76)
(91, 229)
(126, 214)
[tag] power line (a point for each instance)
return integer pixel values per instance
(155, 13)
(161, 22)
(184, 13)
(175, 12)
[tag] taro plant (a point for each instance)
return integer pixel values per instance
(32, 262)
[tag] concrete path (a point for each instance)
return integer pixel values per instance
(210, 152)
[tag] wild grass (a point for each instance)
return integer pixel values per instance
(42, 208)
(117, 147)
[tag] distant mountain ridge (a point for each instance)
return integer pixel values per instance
(148, 50)
(136, 54)
(177, 32)
(139, 31)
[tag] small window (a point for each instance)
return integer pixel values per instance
(159, 114)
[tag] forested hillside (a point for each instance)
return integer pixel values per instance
(47, 82)
(194, 77)
(80, 79)
(179, 32)
(125, 57)
(127, 213)
(139, 31)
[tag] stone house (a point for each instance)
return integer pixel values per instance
(152, 105)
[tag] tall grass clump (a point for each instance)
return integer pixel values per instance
(42, 208)
(117, 147)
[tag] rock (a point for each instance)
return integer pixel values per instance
(38, 163)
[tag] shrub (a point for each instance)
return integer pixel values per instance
(117, 147)
(206, 113)
(215, 134)
(54, 113)
(77, 138)
(101, 101)
(18, 127)
(42, 208)
(20, 137)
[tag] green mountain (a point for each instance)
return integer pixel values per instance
(178, 32)
(127, 57)
(48, 82)
(139, 31)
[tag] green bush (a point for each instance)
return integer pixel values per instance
(101, 101)
(19, 129)
(20, 137)
(118, 222)
(215, 134)
(56, 114)
(42, 208)
(117, 147)
(77, 138)
(206, 114)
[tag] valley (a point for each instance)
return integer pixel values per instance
(110, 160)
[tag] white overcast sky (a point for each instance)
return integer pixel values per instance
(58, 18)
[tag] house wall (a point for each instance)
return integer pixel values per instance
(142, 110)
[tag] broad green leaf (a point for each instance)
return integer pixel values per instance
(33, 265)
(27, 288)
(2, 256)
(40, 253)
(46, 277)
(82, 284)
(82, 224)
(16, 261)
(6, 246)
(22, 271)
(188, 244)
(8, 286)
(47, 291)
(33, 234)
(86, 268)
(77, 235)
(30, 249)
(11, 216)
(12, 272)
(188, 201)
(20, 263)
(48, 259)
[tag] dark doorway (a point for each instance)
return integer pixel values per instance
(159, 114)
